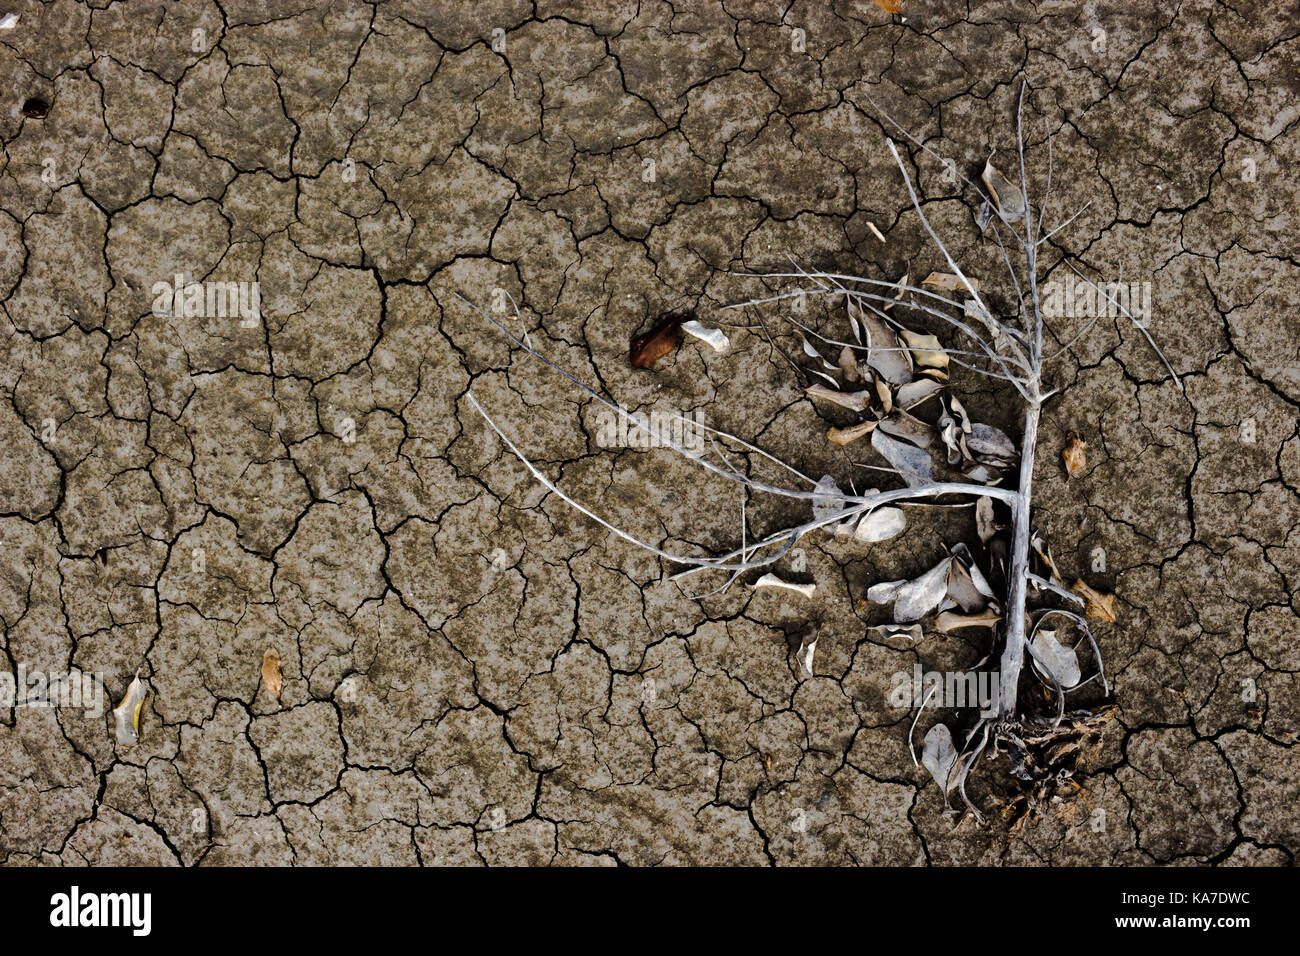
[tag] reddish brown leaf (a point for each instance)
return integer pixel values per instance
(890, 6)
(659, 341)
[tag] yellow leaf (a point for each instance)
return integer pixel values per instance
(126, 715)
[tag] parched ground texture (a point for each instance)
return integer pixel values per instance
(474, 672)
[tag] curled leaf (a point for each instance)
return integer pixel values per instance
(716, 339)
(271, 672)
(807, 647)
(843, 436)
(126, 715)
(947, 282)
(1009, 199)
(1062, 661)
(914, 599)
(647, 349)
(1096, 604)
(1075, 455)
(927, 352)
(772, 581)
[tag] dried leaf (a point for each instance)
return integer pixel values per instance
(843, 436)
(880, 525)
(647, 349)
(1097, 604)
(855, 401)
(126, 715)
(848, 364)
(885, 353)
(1075, 455)
(947, 282)
(985, 524)
(271, 672)
(911, 462)
(1008, 198)
(913, 599)
(716, 339)
(772, 581)
(807, 647)
(882, 632)
(914, 393)
(890, 6)
(1062, 661)
(871, 225)
(1040, 548)
(952, 621)
(828, 499)
(927, 351)
(908, 428)
(990, 445)
(939, 755)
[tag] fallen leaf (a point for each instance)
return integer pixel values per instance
(828, 500)
(843, 436)
(871, 225)
(885, 631)
(807, 647)
(772, 581)
(947, 282)
(908, 428)
(885, 353)
(927, 351)
(1051, 654)
(985, 524)
(939, 755)
(914, 393)
(913, 599)
(271, 672)
(1075, 455)
(952, 621)
(880, 525)
(855, 401)
(1008, 198)
(647, 349)
(126, 715)
(716, 339)
(911, 462)
(1097, 604)
(990, 445)
(890, 6)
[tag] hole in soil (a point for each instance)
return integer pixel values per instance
(35, 107)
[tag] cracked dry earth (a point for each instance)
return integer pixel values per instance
(472, 671)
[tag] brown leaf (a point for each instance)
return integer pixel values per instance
(843, 436)
(649, 348)
(1007, 197)
(271, 672)
(1100, 606)
(1075, 455)
(952, 621)
(890, 6)
(947, 282)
